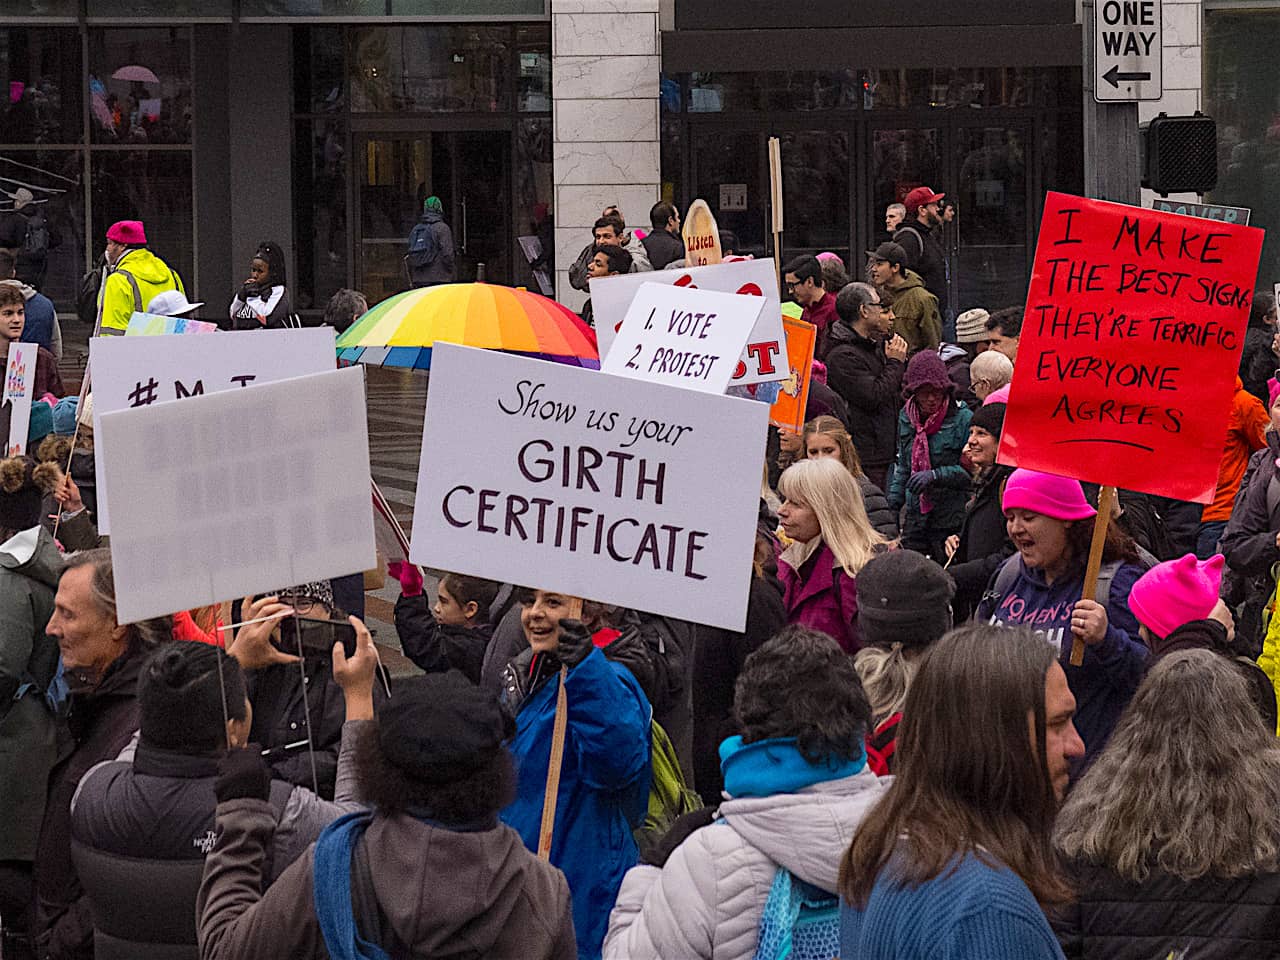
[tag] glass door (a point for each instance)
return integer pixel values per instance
(468, 170)
(989, 235)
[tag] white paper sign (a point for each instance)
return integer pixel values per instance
(131, 372)
(616, 490)
(19, 376)
(765, 357)
(683, 336)
(238, 492)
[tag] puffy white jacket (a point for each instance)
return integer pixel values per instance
(706, 902)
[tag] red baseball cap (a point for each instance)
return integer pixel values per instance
(920, 196)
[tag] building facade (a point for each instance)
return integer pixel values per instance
(323, 124)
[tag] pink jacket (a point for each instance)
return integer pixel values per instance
(813, 598)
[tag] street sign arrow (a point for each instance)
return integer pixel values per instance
(1115, 77)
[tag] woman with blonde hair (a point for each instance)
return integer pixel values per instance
(827, 437)
(1173, 835)
(823, 514)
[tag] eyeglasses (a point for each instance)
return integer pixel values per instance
(301, 605)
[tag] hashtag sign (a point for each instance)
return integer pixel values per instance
(143, 394)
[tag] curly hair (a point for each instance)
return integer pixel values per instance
(1188, 783)
(475, 795)
(801, 684)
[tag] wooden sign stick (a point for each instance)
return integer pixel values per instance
(1106, 500)
(552, 792)
(775, 203)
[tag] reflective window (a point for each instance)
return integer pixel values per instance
(815, 191)
(1242, 93)
(318, 70)
(436, 68)
(991, 218)
(395, 8)
(165, 9)
(773, 90)
(320, 194)
(963, 87)
(534, 192)
(55, 181)
(313, 8)
(470, 8)
(723, 156)
(17, 9)
(41, 75)
(533, 69)
(140, 85)
(153, 186)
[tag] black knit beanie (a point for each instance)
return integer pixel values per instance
(903, 597)
(990, 418)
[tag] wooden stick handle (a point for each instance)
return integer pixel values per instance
(1106, 500)
(552, 793)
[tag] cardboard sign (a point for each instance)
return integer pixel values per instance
(153, 325)
(19, 377)
(1130, 343)
(606, 488)
(237, 492)
(701, 235)
(683, 336)
(761, 361)
(788, 410)
(135, 371)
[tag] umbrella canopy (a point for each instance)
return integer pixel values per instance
(400, 331)
(136, 71)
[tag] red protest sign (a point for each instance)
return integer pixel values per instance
(1130, 343)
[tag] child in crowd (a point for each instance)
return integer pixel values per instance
(453, 634)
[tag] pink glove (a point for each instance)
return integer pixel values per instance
(409, 575)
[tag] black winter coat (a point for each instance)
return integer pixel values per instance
(662, 248)
(718, 660)
(882, 516)
(436, 647)
(1249, 543)
(279, 719)
(984, 542)
(924, 255)
(1163, 917)
(871, 384)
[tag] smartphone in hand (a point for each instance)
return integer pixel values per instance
(317, 636)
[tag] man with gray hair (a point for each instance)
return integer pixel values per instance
(989, 371)
(865, 365)
(894, 214)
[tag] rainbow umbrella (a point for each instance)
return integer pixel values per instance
(401, 330)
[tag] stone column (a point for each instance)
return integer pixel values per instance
(605, 69)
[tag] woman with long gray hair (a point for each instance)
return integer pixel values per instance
(1173, 835)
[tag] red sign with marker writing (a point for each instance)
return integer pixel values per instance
(1130, 343)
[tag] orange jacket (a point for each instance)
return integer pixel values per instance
(1246, 432)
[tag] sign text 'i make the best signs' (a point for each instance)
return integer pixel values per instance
(1130, 344)
(618, 490)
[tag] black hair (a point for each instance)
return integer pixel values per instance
(180, 697)
(611, 221)
(660, 213)
(1007, 321)
(269, 252)
(619, 259)
(1263, 303)
(728, 242)
(801, 684)
(477, 793)
(466, 589)
(805, 267)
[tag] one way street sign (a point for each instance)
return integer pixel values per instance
(1128, 50)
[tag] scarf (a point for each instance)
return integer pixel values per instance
(332, 881)
(920, 445)
(769, 767)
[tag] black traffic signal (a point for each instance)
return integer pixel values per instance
(1180, 154)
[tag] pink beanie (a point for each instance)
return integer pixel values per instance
(1273, 391)
(1176, 592)
(828, 255)
(127, 231)
(1046, 493)
(998, 396)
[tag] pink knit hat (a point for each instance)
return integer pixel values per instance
(1176, 592)
(1273, 391)
(998, 396)
(127, 231)
(1046, 493)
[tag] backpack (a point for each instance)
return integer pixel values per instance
(669, 794)
(1007, 576)
(799, 921)
(422, 245)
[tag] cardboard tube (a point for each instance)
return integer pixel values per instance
(1106, 500)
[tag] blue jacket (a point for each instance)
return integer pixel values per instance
(1107, 679)
(604, 785)
(950, 488)
(41, 317)
(974, 912)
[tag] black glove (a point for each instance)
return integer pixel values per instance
(575, 643)
(656, 850)
(248, 290)
(243, 773)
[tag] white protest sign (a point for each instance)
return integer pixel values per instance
(133, 372)
(237, 492)
(765, 357)
(683, 336)
(19, 376)
(611, 489)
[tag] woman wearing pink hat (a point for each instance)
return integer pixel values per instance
(1040, 586)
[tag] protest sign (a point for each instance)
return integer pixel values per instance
(237, 492)
(701, 235)
(1130, 343)
(19, 378)
(683, 336)
(133, 372)
(151, 325)
(616, 490)
(760, 362)
(788, 410)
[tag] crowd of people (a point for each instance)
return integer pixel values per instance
(897, 757)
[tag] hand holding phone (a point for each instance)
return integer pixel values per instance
(354, 671)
